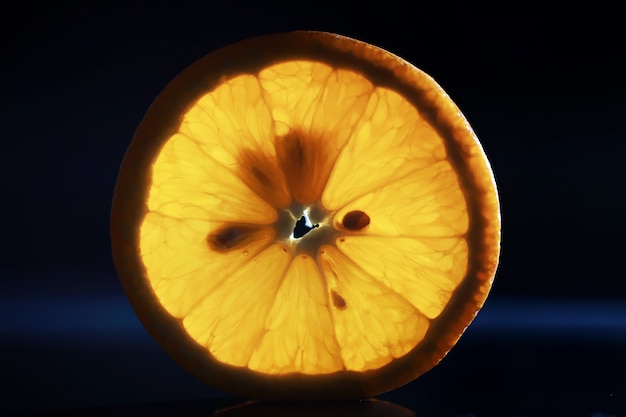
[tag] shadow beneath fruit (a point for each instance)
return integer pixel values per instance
(360, 408)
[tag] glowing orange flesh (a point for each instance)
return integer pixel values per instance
(250, 158)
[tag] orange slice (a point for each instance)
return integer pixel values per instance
(305, 216)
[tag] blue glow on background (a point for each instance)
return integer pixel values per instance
(110, 319)
(102, 319)
(82, 345)
(593, 319)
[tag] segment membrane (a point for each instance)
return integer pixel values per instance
(306, 132)
(425, 202)
(389, 140)
(315, 109)
(188, 184)
(230, 320)
(374, 324)
(424, 271)
(299, 333)
(180, 265)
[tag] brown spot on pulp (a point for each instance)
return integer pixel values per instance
(261, 177)
(338, 300)
(300, 155)
(262, 174)
(230, 237)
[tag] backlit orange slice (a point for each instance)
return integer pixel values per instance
(305, 216)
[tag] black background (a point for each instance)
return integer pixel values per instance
(543, 88)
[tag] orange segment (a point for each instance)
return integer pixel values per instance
(299, 332)
(235, 136)
(387, 130)
(182, 268)
(315, 107)
(426, 202)
(216, 320)
(180, 188)
(426, 271)
(373, 323)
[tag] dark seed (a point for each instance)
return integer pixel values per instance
(260, 176)
(338, 300)
(297, 152)
(355, 220)
(294, 149)
(228, 237)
